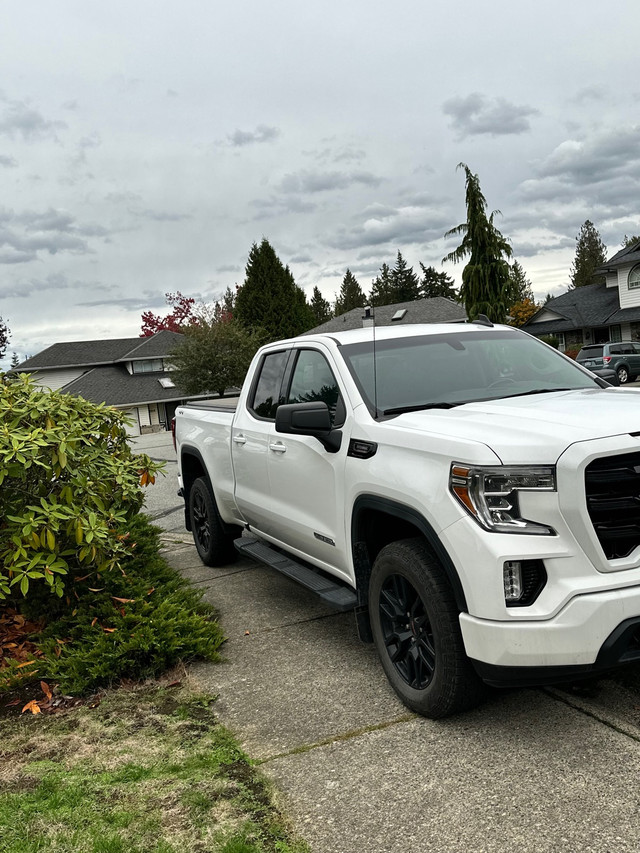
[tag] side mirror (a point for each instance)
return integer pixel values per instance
(309, 419)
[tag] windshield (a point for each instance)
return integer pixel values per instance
(454, 368)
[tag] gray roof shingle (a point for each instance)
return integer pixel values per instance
(88, 353)
(582, 307)
(435, 310)
(115, 386)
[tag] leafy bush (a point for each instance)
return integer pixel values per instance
(69, 483)
(551, 340)
(132, 623)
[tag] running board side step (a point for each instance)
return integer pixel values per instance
(335, 594)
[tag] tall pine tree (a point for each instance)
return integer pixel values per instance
(405, 286)
(269, 298)
(434, 283)
(519, 284)
(320, 308)
(591, 253)
(350, 296)
(382, 287)
(485, 278)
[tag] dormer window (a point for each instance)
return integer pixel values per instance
(634, 278)
(147, 365)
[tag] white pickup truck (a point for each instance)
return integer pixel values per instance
(472, 493)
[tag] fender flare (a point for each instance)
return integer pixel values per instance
(413, 517)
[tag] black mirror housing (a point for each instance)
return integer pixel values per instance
(309, 419)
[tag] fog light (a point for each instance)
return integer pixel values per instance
(512, 574)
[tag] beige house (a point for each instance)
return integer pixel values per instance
(132, 374)
(596, 313)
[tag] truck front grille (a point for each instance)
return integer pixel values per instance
(612, 486)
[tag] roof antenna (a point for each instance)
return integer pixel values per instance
(369, 319)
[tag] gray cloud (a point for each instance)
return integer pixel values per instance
(26, 234)
(274, 206)
(160, 215)
(229, 268)
(315, 182)
(26, 288)
(8, 162)
(476, 115)
(262, 133)
(19, 119)
(599, 158)
(404, 226)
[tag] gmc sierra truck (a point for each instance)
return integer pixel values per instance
(473, 494)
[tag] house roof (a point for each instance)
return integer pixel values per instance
(627, 255)
(582, 307)
(88, 353)
(115, 386)
(438, 309)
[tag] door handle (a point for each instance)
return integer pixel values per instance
(239, 439)
(279, 448)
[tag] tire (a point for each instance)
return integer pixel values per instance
(416, 630)
(623, 375)
(212, 540)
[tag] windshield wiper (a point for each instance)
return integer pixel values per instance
(537, 391)
(401, 410)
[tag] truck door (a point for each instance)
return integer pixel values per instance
(307, 505)
(250, 433)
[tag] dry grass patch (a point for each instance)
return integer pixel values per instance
(147, 769)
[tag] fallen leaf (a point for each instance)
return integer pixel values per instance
(26, 663)
(246, 633)
(108, 630)
(46, 689)
(93, 621)
(123, 600)
(31, 706)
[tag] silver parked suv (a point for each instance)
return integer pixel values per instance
(623, 357)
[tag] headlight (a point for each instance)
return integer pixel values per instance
(490, 495)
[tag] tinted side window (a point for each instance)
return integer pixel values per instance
(615, 350)
(266, 397)
(626, 349)
(313, 380)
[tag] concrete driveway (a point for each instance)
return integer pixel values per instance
(531, 770)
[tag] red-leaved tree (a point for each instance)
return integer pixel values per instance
(176, 320)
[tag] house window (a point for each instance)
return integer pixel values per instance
(147, 365)
(635, 331)
(634, 278)
(614, 333)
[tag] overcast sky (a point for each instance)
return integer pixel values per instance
(144, 146)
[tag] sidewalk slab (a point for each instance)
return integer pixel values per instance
(526, 775)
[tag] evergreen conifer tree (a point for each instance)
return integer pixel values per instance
(519, 285)
(485, 278)
(382, 287)
(434, 283)
(405, 286)
(4, 337)
(269, 298)
(320, 308)
(591, 253)
(350, 296)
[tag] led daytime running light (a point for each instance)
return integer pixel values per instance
(490, 495)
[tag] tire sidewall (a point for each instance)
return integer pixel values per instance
(420, 575)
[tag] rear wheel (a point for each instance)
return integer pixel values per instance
(213, 541)
(416, 630)
(623, 375)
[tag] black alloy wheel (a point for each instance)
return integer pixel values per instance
(213, 541)
(407, 632)
(416, 629)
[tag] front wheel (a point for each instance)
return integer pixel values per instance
(213, 543)
(416, 630)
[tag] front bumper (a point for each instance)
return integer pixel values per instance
(591, 634)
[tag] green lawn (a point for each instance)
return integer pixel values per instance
(148, 770)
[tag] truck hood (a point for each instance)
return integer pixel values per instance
(535, 429)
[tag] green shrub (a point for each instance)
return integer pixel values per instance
(69, 483)
(131, 623)
(552, 340)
